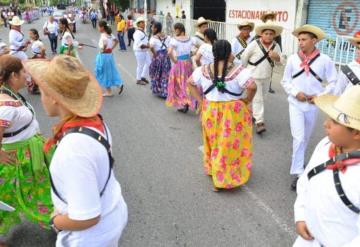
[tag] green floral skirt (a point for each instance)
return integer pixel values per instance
(25, 185)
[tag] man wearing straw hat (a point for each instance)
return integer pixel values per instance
(350, 73)
(271, 16)
(302, 81)
(262, 55)
(16, 39)
(240, 42)
(327, 206)
(202, 24)
(141, 50)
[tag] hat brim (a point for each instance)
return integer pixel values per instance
(251, 25)
(88, 106)
(318, 33)
(354, 41)
(326, 104)
(202, 23)
(277, 29)
(20, 23)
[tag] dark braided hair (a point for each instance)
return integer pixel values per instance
(158, 27)
(36, 33)
(222, 52)
(65, 22)
(179, 26)
(106, 27)
(210, 34)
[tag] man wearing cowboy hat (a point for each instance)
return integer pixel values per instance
(262, 55)
(240, 42)
(350, 73)
(141, 50)
(271, 16)
(327, 206)
(303, 75)
(202, 25)
(16, 39)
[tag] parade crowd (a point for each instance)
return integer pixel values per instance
(61, 182)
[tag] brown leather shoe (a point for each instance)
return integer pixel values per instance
(260, 128)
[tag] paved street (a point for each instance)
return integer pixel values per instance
(159, 165)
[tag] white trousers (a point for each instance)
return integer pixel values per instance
(258, 101)
(143, 61)
(300, 242)
(302, 124)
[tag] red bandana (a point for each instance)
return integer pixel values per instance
(95, 122)
(358, 60)
(306, 59)
(340, 165)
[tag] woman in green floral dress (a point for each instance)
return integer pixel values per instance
(24, 179)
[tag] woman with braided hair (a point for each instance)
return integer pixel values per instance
(226, 117)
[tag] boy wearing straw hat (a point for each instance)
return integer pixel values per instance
(202, 25)
(141, 50)
(350, 73)
(16, 39)
(302, 81)
(262, 55)
(271, 16)
(327, 206)
(240, 42)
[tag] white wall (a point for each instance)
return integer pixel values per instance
(167, 6)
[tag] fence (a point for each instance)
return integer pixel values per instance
(339, 49)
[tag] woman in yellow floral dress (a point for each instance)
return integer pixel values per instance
(226, 117)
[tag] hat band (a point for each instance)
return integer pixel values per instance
(343, 117)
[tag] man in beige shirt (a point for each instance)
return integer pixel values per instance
(262, 55)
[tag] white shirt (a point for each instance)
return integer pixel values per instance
(53, 27)
(329, 221)
(14, 116)
(236, 48)
(106, 41)
(197, 41)
(323, 66)
(36, 47)
(16, 40)
(253, 53)
(236, 82)
(140, 38)
(157, 44)
(343, 83)
(79, 169)
(207, 56)
(181, 47)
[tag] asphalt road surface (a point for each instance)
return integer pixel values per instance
(159, 166)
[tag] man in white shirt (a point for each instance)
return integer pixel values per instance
(16, 39)
(240, 42)
(262, 55)
(141, 49)
(199, 39)
(303, 75)
(327, 206)
(350, 73)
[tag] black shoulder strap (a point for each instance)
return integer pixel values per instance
(26, 104)
(311, 71)
(339, 189)
(350, 75)
(199, 37)
(266, 54)
(213, 86)
(244, 44)
(163, 45)
(99, 138)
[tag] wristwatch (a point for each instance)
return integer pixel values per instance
(52, 224)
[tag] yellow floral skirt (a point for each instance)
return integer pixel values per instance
(228, 148)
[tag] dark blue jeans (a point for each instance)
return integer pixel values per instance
(121, 40)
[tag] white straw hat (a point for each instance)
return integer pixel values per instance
(269, 26)
(16, 21)
(318, 32)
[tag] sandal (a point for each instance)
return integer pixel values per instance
(145, 80)
(141, 83)
(185, 109)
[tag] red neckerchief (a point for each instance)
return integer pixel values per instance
(306, 59)
(358, 60)
(340, 165)
(95, 122)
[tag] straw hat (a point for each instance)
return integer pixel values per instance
(139, 19)
(66, 80)
(201, 21)
(269, 26)
(246, 24)
(356, 38)
(318, 32)
(344, 109)
(268, 16)
(16, 21)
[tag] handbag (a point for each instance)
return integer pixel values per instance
(46, 30)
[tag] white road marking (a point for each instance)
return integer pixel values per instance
(268, 210)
